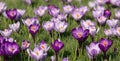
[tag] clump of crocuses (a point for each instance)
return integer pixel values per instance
(57, 45)
(9, 48)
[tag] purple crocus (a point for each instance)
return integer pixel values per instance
(68, 8)
(13, 14)
(61, 26)
(2, 7)
(107, 13)
(57, 45)
(104, 45)
(53, 10)
(48, 26)
(93, 50)
(25, 44)
(33, 29)
(80, 34)
(9, 48)
(40, 11)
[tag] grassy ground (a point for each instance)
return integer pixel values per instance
(70, 43)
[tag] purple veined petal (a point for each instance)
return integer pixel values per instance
(108, 32)
(112, 23)
(76, 15)
(100, 2)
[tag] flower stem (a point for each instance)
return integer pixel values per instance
(56, 56)
(34, 40)
(105, 57)
(93, 58)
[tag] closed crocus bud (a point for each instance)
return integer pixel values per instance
(68, 9)
(37, 54)
(61, 26)
(57, 45)
(117, 14)
(25, 44)
(2, 7)
(53, 10)
(30, 21)
(93, 50)
(6, 32)
(112, 23)
(40, 11)
(15, 27)
(48, 26)
(80, 34)
(101, 20)
(107, 13)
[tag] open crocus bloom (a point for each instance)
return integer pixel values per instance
(13, 14)
(105, 44)
(37, 54)
(40, 11)
(6, 32)
(43, 46)
(53, 10)
(30, 21)
(2, 7)
(101, 20)
(25, 44)
(48, 26)
(57, 45)
(68, 8)
(80, 34)
(61, 26)
(93, 50)
(87, 23)
(33, 29)
(93, 30)
(77, 15)
(112, 23)
(15, 27)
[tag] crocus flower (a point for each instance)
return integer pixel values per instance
(93, 50)
(101, 20)
(6, 32)
(53, 10)
(87, 23)
(15, 27)
(68, 8)
(2, 7)
(65, 59)
(117, 14)
(108, 32)
(80, 34)
(9, 48)
(33, 29)
(112, 23)
(77, 15)
(57, 45)
(107, 13)
(37, 54)
(30, 21)
(28, 1)
(40, 11)
(61, 26)
(43, 46)
(93, 30)
(104, 45)
(25, 44)
(13, 14)
(91, 4)
(62, 16)
(48, 26)
(83, 9)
